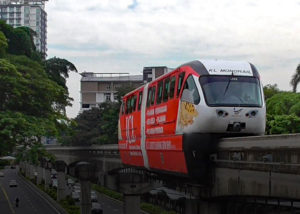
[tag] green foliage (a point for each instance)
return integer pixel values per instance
(69, 205)
(33, 154)
(283, 113)
(20, 40)
(108, 192)
(58, 70)
(295, 79)
(270, 90)
(283, 124)
(32, 102)
(29, 101)
(123, 91)
(153, 209)
(283, 103)
(95, 126)
(3, 44)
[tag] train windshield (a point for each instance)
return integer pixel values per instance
(231, 91)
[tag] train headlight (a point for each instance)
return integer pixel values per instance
(221, 113)
(252, 113)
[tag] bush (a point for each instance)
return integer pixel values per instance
(153, 209)
(69, 205)
(108, 192)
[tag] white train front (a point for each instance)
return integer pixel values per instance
(227, 97)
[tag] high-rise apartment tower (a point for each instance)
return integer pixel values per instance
(29, 13)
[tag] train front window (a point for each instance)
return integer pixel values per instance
(231, 91)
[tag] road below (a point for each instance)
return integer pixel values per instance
(31, 202)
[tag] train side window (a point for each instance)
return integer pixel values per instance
(166, 89)
(172, 87)
(133, 103)
(153, 95)
(180, 80)
(159, 92)
(191, 86)
(140, 100)
(128, 109)
(149, 97)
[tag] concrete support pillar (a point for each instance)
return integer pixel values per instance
(31, 172)
(191, 206)
(85, 197)
(84, 171)
(61, 186)
(46, 177)
(132, 185)
(61, 180)
(131, 204)
(39, 175)
(111, 182)
(27, 169)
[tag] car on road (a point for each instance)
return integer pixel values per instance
(1, 174)
(96, 208)
(94, 197)
(70, 182)
(13, 183)
(76, 188)
(76, 196)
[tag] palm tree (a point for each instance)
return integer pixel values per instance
(295, 79)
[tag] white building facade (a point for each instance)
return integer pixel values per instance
(29, 13)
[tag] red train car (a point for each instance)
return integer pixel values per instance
(166, 125)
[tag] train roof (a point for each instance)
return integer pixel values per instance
(222, 67)
(214, 67)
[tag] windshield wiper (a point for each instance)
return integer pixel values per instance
(227, 86)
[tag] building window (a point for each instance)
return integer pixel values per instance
(108, 87)
(107, 97)
(115, 96)
(85, 105)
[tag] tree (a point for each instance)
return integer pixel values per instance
(58, 70)
(3, 44)
(28, 100)
(270, 90)
(20, 41)
(283, 124)
(284, 103)
(295, 79)
(283, 113)
(31, 100)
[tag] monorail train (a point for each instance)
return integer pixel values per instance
(167, 125)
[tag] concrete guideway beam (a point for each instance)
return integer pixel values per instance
(84, 171)
(60, 167)
(132, 186)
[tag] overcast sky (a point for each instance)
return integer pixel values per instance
(126, 35)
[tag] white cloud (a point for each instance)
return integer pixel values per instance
(102, 36)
